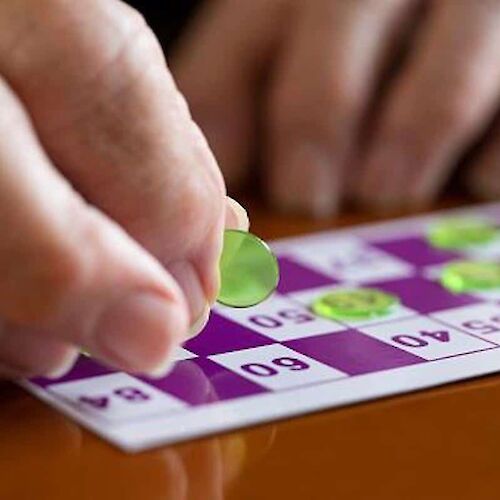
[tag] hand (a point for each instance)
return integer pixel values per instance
(371, 101)
(111, 204)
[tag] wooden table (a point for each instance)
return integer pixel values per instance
(436, 444)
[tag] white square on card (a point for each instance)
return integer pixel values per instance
(351, 259)
(281, 319)
(181, 353)
(433, 273)
(486, 251)
(481, 320)
(492, 295)
(116, 396)
(276, 367)
(426, 338)
(307, 297)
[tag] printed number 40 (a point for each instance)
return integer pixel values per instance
(420, 341)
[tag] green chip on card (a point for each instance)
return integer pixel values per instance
(357, 303)
(462, 233)
(467, 276)
(249, 271)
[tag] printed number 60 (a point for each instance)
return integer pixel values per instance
(262, 370)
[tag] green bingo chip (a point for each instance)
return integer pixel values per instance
(462, 233)
(359, 303)
(466, 276)
(249, 271)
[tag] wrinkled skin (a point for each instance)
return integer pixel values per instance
(111, 203)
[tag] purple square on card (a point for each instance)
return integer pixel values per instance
(425, 296)
(294, 277)
(85, 367)
(417, 251)
(353, 353)
(200, 381)
(222, 335)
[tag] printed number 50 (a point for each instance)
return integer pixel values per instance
(296, 316)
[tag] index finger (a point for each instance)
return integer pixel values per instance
(113, 121)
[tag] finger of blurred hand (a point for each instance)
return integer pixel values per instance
(113, 121)
(482, 174)
(219, 65)
(70, 274)
(443, 98)
(323, 83)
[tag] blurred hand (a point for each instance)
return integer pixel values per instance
(364, 100)
(111, 204)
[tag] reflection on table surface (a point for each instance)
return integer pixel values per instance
(437, 444)
(51, 457)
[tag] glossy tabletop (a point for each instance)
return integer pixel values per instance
(435, 444)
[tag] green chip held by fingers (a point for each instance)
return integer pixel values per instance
(355, 304)
(467, 276)
(249, 271)
(462, 233)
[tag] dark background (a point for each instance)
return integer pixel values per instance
(166, 17)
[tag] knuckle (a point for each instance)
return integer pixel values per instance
(139, 44)
(133, 17)
(138, 39)
(98, 33)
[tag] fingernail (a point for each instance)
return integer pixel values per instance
(139, 333)
(200, 323)
(236, 216)
(307, 180)
(65, 366)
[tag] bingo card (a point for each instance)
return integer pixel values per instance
(278, 359)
